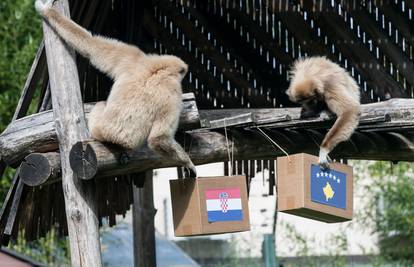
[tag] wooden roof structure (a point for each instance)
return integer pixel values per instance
(239, 53)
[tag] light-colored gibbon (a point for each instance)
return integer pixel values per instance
(319, 84)
(146, 97)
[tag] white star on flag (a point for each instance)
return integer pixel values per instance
(317, 174)
(338, 181)
(330, 175)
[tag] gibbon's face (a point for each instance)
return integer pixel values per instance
(175, 65)
(302, 92)
(183, 69)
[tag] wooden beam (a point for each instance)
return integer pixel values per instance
(30, 168)
(31, 81)
(143, 213)
(36, 133)
(210, 146)
(81, 210)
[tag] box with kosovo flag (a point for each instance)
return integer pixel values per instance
(209, 205)
(306, 190)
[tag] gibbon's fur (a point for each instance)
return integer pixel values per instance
(145, 100)
(318, 83)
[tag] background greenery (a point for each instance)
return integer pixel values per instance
(390, 211)
(20, 35)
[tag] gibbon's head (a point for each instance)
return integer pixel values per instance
(303, 91)
(171, 64)
(306, 81)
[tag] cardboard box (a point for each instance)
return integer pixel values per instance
(209, 205)
(306, 190)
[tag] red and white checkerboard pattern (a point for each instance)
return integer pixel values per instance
(223, 204)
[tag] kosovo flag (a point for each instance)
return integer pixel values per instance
(328, 187)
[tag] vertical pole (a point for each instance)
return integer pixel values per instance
(143, 213)
(80, 204)
(268, 250)
(165, 207)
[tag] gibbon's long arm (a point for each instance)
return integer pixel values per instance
(104, 53)
(344, 126)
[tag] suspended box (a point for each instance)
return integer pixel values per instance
(304, 189)
(209, 205)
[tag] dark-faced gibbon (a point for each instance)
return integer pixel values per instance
(318, 83)
(145, 100)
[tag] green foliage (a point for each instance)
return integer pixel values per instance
(20, 35)
(391, 210)
(303, 247)
(49, 250)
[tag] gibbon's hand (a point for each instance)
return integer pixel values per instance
(190, 172)
(323, 159)
(42, 5)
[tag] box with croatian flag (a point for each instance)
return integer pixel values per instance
(306, 190)
(210, 205)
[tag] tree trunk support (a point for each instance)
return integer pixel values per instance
(70, 124)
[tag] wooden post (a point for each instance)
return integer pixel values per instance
(71, 128)
(143, 213)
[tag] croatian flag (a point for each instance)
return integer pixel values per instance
(224, 204)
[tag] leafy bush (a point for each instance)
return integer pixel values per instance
(392, 210)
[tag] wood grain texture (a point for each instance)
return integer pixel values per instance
(378, 138)
(70, 124)
(36, 133)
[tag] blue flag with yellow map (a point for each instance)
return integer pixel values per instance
(328, 187)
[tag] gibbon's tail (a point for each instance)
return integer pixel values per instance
(342, 129)
(104, 53)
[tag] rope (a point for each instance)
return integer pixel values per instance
(274, 143)
(228, 149)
